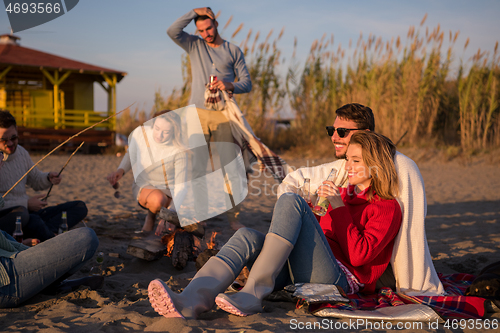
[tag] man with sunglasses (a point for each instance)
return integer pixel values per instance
(43, 221)
(411, 262)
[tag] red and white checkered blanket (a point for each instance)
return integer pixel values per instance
(249, 143)
(453, 305)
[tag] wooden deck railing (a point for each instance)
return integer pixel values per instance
(46, 118)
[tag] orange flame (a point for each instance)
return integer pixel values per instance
(211, 244)
(168, 241)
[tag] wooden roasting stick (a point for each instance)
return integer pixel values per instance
(69, 159)
(62, 144)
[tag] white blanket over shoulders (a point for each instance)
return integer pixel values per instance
(411, 259)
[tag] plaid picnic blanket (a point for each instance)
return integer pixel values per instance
(454, 305)
(252, 148)
(214, 99)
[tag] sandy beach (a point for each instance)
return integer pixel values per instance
(462, 228)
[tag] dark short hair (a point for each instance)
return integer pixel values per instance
(7, 119)
(360, 114)
(202, 18)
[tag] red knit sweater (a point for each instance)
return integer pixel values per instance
(361, 234)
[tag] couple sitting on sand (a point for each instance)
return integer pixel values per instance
(374, 224)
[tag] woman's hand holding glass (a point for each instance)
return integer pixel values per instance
(330, 191)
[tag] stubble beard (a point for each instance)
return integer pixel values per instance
(214, 38)
(341, 157)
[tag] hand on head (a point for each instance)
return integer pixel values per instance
(207, 26)
(205, 11)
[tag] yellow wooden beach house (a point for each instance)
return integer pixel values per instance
(52, 97)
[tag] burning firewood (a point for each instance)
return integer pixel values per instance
(182, 246)
(179, 246)
(182, 251)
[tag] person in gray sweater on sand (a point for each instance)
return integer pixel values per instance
(44, 221)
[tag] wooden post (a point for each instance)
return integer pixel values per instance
(3, 92)
(56, 99)
(111, 81)
(56, 81)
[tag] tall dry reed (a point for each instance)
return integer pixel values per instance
(479, 94)
(406, 82)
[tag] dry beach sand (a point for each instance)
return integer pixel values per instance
(463, 230)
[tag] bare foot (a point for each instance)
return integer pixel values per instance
(149, 222)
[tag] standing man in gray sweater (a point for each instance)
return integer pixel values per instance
(207, 54)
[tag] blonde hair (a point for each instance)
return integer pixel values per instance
(174, 119)
(378, 155)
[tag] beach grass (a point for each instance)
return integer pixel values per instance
(418, 93)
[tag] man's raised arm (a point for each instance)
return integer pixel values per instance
(177, 33)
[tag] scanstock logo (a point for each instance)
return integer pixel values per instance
(26, 14)
(170, 153)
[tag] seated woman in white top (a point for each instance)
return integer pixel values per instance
(159, 162)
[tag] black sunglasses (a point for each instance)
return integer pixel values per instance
(342, 132)
(12, 138)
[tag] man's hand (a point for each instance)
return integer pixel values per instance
(115, 176)
(54, 178)
(332, 193)
(205, 11)
(222, 85)
(35, 203)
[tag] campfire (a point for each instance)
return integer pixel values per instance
(191, 243)
(183, 246)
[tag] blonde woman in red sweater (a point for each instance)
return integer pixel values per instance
(350, 246)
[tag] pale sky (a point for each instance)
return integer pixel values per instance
(130, 35)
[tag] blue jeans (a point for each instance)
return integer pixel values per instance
(48, 219)
(311, 259)
(34, 269)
